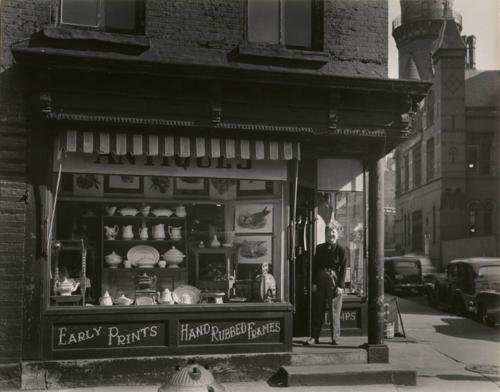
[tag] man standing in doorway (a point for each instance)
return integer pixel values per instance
(328, 276)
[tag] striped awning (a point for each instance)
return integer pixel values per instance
(182, 146)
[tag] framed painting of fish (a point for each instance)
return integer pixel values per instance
(255, 249)
(253, 218)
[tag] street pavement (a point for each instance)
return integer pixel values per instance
(450, 353)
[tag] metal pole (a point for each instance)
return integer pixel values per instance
(376, 251)
(294, 240)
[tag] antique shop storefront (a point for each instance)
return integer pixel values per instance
(177, 209)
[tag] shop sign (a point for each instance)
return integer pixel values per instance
(349, 318)
(69, 337)
(173, 166)
(230, 332)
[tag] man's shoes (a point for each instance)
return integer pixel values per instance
(334, 342)
(311, 342)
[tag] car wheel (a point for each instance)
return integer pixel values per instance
(482, 315)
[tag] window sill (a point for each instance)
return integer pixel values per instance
(68, 33)
(278, 52)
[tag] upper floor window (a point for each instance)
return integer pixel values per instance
(430, 159)
(114, 16)
(472, 158)
(430, 109)
(288, 23)
(473, 219)
(417, 166)
(406, 177)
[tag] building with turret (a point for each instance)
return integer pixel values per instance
(447, 171)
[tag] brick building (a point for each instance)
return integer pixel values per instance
(128, 127)
(447, 177)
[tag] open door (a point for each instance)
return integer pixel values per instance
(300, 270)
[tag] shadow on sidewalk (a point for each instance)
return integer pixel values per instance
(461, 327)
(464, 377)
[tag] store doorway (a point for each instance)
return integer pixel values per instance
(300, 269)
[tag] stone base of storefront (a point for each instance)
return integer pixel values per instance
(156, 370)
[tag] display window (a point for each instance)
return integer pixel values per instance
(166, 241)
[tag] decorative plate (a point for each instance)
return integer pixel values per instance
(186, 294)
(144, 263)
(136, 255)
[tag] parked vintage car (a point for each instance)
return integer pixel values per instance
(471, 287)
(403, 274)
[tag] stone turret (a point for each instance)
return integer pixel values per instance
(415, 32)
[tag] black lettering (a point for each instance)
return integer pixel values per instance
(182, 162)
(248, 164)
(165, 161)
(130, 158)
(149, 161)
(203, 162)
(222, 163)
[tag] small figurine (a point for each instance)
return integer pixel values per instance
(267, 284)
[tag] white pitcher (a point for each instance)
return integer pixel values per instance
(143, 233)
(159, 231)
(175, 232)
(127, 233)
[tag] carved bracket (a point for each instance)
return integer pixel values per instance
(216, 114)
(45, 102)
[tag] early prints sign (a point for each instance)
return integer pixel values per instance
(228, 332)
(107, 335)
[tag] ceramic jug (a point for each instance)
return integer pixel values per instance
(174, 232)
(106, 300)
(143, 233)
(180, 211)
(111, 232)
(159, 231)
(127, 233)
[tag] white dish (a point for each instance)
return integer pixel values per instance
(162, 212)
(141, 252)
(186, 294)
(145, 263)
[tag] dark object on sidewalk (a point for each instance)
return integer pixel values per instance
(399, 315)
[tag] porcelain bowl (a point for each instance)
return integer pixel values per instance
(113, 262)
(128, 211)
(162, 212)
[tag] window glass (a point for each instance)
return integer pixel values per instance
(347, 208)
(263, 21)
(472, 158)
(120, 15)
(80, 12)
(138, 238)
(298, 23)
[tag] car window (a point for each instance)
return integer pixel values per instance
(489, 270)
(408, 264)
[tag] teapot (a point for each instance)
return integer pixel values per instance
(143, 233)
(127, 233)
(174, 232)
(166, 297)
(66, 287)
(106, 300)
(111, 232)
(180, 211)
(159, 231)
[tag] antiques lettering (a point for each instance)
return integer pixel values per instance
(112, 335)
(216, 334)
(177, 161)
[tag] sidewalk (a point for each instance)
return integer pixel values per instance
(435, 372)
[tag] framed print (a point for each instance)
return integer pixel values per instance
(190, 186)
(88, 185)
(222, 188)
(255, 187)
(253, 218)
(123, 184)
(157, 186)
(255, 249)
